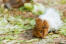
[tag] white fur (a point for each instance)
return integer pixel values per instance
(53, 18)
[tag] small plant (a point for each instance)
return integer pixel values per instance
(28, 6)
(63, 2)
(36, 9)
(63, 30)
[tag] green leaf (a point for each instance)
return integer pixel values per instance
(63, 2)
(28, 6)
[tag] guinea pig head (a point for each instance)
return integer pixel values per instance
(41, 28)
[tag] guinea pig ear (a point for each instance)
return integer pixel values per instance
(45, 23)
(38, 20)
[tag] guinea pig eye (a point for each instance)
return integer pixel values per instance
(40, 31)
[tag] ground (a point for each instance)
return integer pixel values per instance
(26, 37)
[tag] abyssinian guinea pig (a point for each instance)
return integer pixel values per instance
(49, 21)
(14, 3)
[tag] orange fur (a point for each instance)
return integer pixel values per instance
(15, 3)
(41, 28)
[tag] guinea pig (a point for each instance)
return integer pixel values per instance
(49, 21)
(14, 3)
